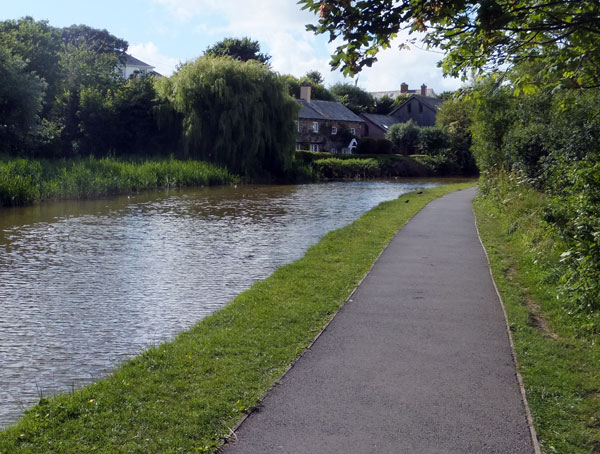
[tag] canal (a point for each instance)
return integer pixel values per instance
(87, 284)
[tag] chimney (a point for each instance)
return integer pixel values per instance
(403, 87)
(423, 90)
(305, 89)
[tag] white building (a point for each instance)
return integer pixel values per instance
(133, 65)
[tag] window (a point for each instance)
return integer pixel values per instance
(420, 107)
(315, 126)
(333, 130)
(299, 146)
(352, 131)
(333, 150)
(297, 125)
(409, 107)
(314, 147)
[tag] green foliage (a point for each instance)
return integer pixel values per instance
(307, 156)
(385, 146)
(335, 168)
(366, 145)
(39, 45)
(433, 140)
(235, 114)
(383, 105)
(66, 61)
(315, 77)
(19, 182)
(445, 150)
(118, 121)
(405, 137)
(354, 98)
(558, 36)
(369, 145)
(492, 118)
(24, 181)
(558, 356)
(21, 95)
(243, 49)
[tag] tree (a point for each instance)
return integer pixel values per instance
(243, 49)
(238, 114)
(475, 35)
(384, 105)
(21, 96)
(354, 98)
(38, 45)
(315, 77)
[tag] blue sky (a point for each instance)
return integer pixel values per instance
(166, 32)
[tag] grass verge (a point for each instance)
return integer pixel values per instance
(184, 395)
(559, 361)
(23, 181)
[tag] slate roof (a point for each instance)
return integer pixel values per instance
(428, 101)
(383, 121)
(326, 110)
(132, 61)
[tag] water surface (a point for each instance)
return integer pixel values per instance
(87, 284)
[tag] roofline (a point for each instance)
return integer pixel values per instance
(408, 98)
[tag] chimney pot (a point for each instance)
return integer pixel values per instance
(403, 87)
(305, 91)
(423, 90)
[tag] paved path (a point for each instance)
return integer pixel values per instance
(417, 362)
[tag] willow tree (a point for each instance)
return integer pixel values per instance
(234, 113)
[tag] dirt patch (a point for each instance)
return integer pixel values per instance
(537, 319)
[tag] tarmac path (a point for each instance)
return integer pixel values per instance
(417, 361)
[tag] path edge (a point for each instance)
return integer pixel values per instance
(534, 437)
(232, 431)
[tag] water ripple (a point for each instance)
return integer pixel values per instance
(85, 285)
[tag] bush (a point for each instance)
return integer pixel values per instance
(335, 168)
(405, 137)
(367, 145)
(384, 146)
(433, 140)
(307, 156)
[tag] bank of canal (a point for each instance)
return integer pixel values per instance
(184, 395)
(87, 284)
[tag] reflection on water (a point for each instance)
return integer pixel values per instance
(84, 285)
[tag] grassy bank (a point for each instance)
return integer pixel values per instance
(558, 356)
(183, 396)
(24, 181)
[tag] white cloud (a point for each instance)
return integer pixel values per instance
(279, 26)
(149, 53)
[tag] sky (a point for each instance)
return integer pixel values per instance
(164, 33)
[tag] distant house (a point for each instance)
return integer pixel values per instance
(421, 109)
(131, 65)
(404, 91)
(325, 125)
(377, 126)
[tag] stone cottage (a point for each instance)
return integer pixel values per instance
(325, 125)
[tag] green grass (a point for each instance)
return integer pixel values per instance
(185, 395)
(558, 359)
(24, 181)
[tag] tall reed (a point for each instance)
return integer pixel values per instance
(23, 181)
